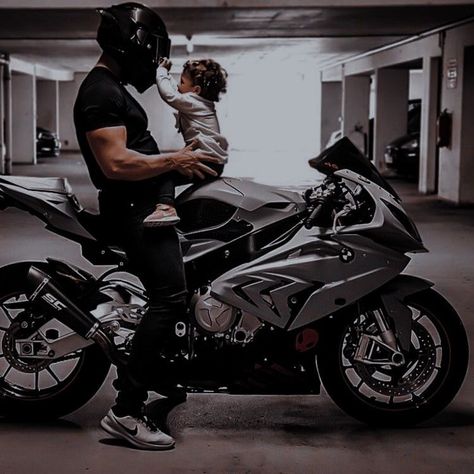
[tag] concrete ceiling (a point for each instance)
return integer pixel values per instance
(238, 37)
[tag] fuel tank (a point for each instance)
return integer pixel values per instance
(228, 221)
(214, 203)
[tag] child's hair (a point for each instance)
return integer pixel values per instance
(209, 75)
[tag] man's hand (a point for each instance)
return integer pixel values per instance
(166, 63)
(190, 163)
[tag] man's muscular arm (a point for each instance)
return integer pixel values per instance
(109, 146)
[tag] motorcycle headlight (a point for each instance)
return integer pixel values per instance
(411, 144)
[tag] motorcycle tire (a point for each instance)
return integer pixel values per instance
(45, 390)
(435, 367)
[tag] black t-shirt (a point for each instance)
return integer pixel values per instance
(102, 101)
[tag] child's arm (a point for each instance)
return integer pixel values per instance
(168, 89)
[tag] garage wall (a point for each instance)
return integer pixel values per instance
(416, 85)
(456, 163)
(47, 108)
(24, 118)
(272, 110)
(67, 96)
(467, 128)
(331, 110)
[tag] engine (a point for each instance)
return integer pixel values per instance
(218, 318)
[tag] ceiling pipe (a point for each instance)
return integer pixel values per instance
(403, 42)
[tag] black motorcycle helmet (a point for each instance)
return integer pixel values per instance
(136, 37)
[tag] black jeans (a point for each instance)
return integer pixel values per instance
(155, 257)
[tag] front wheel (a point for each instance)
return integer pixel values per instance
(39, 388)
(431, 375)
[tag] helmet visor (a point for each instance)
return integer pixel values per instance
(157, 45)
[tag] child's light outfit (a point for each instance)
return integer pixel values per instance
(196, 120)
(196, 117)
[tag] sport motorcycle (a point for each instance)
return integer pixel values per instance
(287, 291)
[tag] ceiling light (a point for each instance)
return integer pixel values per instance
(189, 44)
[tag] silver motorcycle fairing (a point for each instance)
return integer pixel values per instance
(240, 193)
(308, 278)
(321, 270)
(51, 199)
(256, 205)
(398, 232)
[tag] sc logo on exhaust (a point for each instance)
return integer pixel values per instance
(52, 301)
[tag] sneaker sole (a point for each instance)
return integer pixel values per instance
(130, 439)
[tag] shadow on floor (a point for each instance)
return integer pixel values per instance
(46, 425)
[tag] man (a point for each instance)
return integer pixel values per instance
(124, 164)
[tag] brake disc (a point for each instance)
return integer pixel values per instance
(410, 377)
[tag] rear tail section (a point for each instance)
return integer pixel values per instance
(49, 199)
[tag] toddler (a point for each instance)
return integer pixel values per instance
(201, 83)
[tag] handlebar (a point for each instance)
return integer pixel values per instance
(308, 223)
(320, 197)
(333, 199)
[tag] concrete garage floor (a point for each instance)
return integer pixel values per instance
(237, 434)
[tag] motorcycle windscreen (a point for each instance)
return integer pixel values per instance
(345, 155)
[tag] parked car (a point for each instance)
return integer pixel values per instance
(47, 143)
(403, 153)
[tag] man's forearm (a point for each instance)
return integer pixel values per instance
(120, 163)
(134, 166)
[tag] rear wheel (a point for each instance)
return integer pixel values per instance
(40, 388)
(424, 384)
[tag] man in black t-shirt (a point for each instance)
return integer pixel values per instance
(124, 164)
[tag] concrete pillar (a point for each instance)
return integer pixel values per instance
(24, 118)
(391, 109)
(67, 97)
(456, 162)
(355, 108)
(2, 121)
(429, 111)
(331, 107)
(8, 119)
(47, 108)
(467, 129)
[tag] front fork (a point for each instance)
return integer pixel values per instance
(382, 349)
(386, 333)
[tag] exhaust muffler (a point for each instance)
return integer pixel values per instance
(48, 296)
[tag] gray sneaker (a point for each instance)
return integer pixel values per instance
(140, 432)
